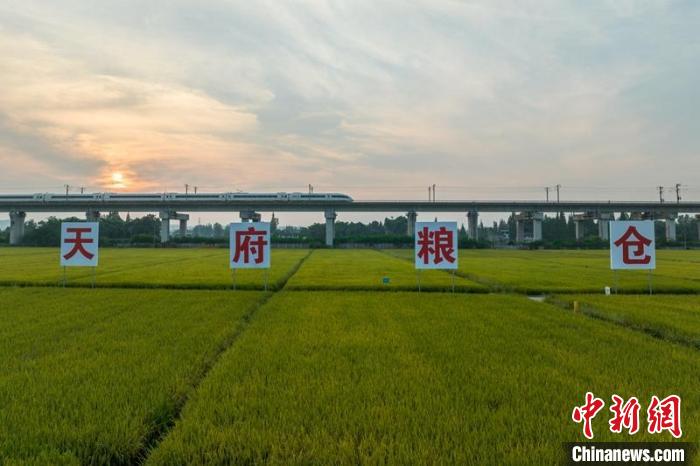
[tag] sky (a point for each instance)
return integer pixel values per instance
(488, 99)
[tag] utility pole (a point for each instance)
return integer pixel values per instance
(558, 188)
(433, 193)
(82, 190)
(661, 194)
(187, 189)
(678, 193)
(195, 189)
(67, 189)
(430, 196)
(311, 189)
(546, 191)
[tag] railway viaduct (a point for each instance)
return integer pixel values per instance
(172, 207)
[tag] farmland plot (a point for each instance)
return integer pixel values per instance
(366, 269)
(536, 272)
(403, 378)
(675, 318)
(143, 268)
(86, 376)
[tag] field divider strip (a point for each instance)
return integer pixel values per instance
(493, 286)
(593, 312)
(156, 436)
(394, 289)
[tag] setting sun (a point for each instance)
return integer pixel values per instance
(117, 177)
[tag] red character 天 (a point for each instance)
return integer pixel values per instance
(587, 412)
(633, 244)
(438, 244)
(624, 415)
(665, 415)
(250, 242)
(78, 242)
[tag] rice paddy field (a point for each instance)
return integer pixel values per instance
(535, 272)
(164, 363)
(145, 268)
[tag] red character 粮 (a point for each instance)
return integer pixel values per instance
(439, 244)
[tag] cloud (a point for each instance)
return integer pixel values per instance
(279, 94)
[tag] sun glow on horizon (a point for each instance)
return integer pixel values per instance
(118, 180)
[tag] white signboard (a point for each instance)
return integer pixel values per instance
(250, 245)
(436, 245)
(79, 244)
(632, 245)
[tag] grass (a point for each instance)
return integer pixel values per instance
(536, 272)
(323, 376)
(90, 376)
(144, 268)
(531, 272)
(403, 378)
(673, 318)
(364, 269)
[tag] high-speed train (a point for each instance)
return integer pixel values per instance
(49, 198)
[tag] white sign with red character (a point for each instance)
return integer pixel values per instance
(250, 245)
(436, 245)
(79, 244)
(632, 245)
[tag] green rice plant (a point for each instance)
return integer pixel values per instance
(674, 318)
(367, 269)
(205, 268)
(407, 378)
(93, 376)
(536, 272)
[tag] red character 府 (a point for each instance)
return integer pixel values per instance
(250, 242)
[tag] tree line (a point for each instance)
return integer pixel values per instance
(558, 231)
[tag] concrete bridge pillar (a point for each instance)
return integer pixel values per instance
(92, 215)
(250, 216)
(165, 226)
(182, 218)
(519, 230)
(330, 226)
(17, 227)
(537, 218)
(411, 218)
(604, 225)
(670, 223)
(579, 227)
(473, 225)
(183, 227)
